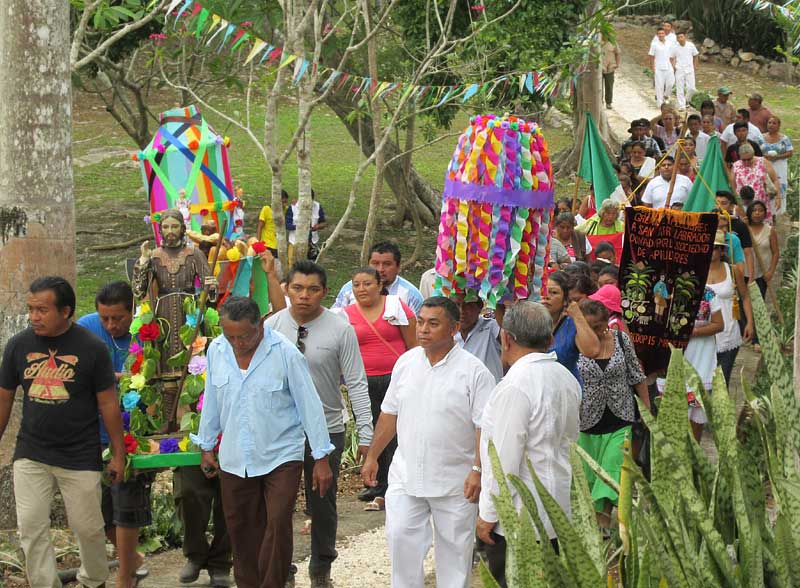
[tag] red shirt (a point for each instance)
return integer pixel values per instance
(378, 358)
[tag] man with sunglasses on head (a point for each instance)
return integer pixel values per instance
(330, 346)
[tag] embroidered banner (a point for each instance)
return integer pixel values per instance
(665, 261)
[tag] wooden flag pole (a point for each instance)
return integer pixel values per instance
(577, 172)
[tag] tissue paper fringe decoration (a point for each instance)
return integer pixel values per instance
(494, 228)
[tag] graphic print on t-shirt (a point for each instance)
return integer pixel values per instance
(49, 373)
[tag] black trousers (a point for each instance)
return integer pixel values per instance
(608, 87)
(324, 518)
(197, 499)
(496, 557)
(378, 385)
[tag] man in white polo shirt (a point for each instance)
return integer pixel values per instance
(434, 404)
(684, 58)
(655, 195)
(661, 65)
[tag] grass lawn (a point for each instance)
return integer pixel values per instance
(110, 200)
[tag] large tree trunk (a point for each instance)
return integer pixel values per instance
(37, 215)
(412, 188)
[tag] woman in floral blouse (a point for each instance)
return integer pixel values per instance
(608, 408)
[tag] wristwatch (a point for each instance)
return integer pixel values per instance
(477, 469)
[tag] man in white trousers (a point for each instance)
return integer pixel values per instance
(684, 59)
(434, 404)
(661, 65)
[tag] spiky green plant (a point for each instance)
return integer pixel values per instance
(704, 519)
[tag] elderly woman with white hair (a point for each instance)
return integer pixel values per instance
(605, 222)
(757, 173)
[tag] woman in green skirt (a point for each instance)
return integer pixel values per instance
(608, 408)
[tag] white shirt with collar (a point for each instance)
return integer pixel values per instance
(684, 55)
(753, 133)
(533, 413)
(655, 195)
(670, 39)
(701, 145)
(482, 342)
(438, 410)
(661, 53)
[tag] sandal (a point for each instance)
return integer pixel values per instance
(138, 576)
(377, 504)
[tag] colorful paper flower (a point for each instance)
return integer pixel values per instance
(131, 444)
(149, 332)
(168, 446)
(197, 365)
(259, 247)
(137, 364)
(199, 345)
(126, 420)
(144, 308)
(184, 444)
(200, 402)
(134, 348)
(130, 400)
(233, 254)
(212, 317)
(138, 381)
(191, 319)
(136, 325)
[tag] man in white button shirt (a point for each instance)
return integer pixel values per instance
(661, 66)
(434, 404)
(669, 37)
(753, 133)
(655, 195)
(533, 414)
(684, 58)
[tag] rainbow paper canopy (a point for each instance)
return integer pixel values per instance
(185, 166)
(494, 230)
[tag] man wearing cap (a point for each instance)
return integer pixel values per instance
(655, 195)
(723, 108)
(661, 66)
(759, 115)
(638, 131)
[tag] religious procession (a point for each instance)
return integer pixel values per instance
(545, 366)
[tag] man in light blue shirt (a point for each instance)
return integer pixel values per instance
(479, 335)
(260, 396)
(385, 257)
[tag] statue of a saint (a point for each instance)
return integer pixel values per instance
(167, 275)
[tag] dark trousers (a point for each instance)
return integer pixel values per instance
(496, 557)
(725, 360)
(608, 87)
(258, 511)
(324, 519)
(377, 391)
(198, 498)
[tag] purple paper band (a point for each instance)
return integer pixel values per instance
(501, 196)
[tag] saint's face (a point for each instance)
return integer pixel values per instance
(171, 232)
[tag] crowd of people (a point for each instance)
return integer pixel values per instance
(430, 380)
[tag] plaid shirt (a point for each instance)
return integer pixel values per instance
(650, 144)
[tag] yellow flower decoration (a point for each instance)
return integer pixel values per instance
(234, 254)
(183, 444)
(138, 381)
(144, 308)
(203, 375)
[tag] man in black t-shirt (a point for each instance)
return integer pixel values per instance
(727, 201)
(67, 378)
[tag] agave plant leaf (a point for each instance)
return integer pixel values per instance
(486, 576)
(508, 518)
(555, 573)
(582, 565)
(672, 420)
(659, 526)
(625, 505)
(786, 560)
(697, 514)
(703, 470)
(583, 513)
(753, 563)
(597, 468)
(531, 571)
(780, 374)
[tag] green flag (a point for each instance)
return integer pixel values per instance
(596, 167)
(712, 170)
